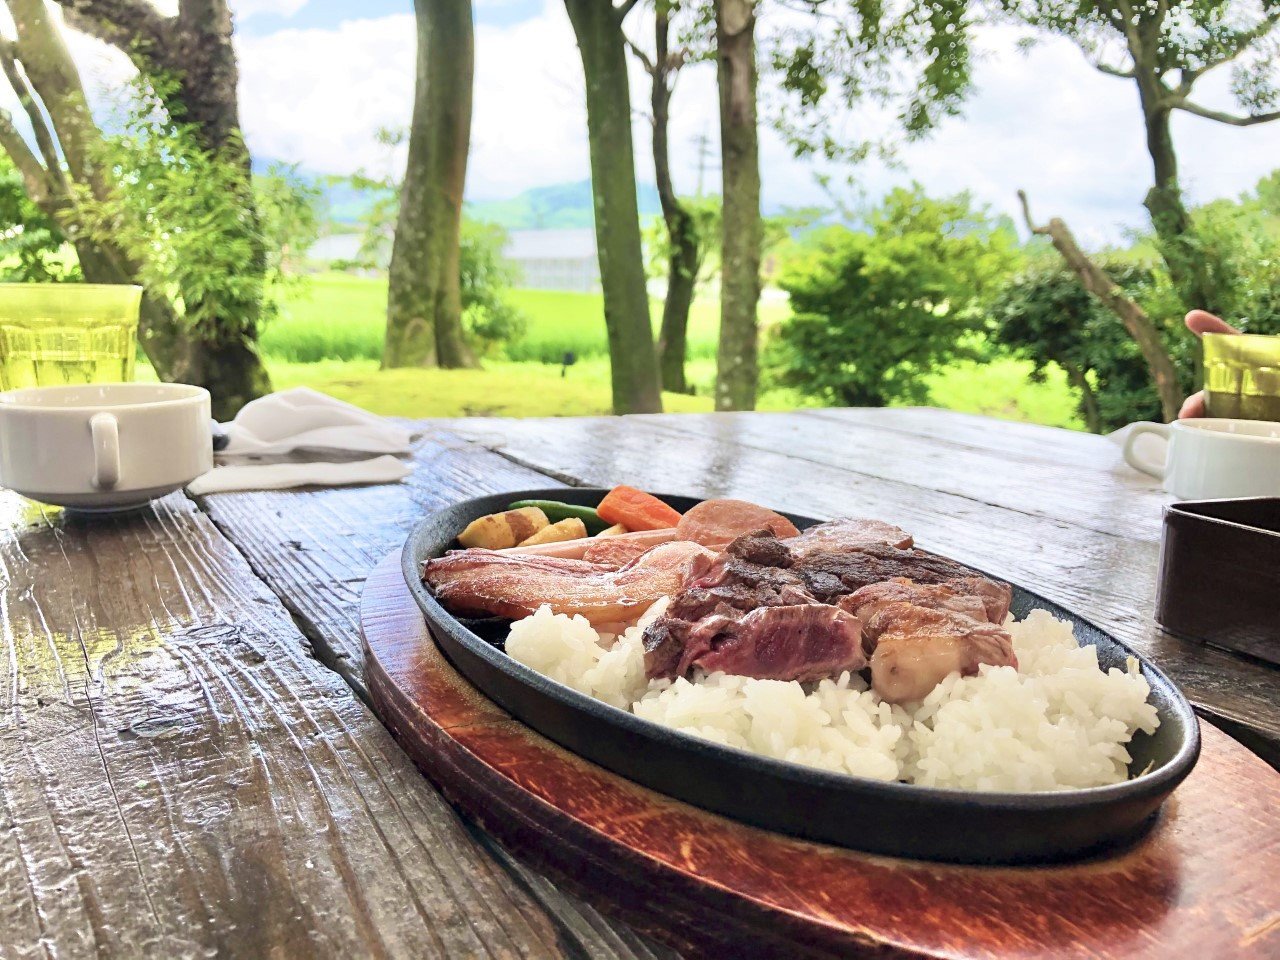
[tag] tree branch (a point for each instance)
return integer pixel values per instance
(133, 26)
(44, 138)
(1243, 41)
(624, 8)
(33, 174)
(1135, 320)
(638, 52)
(1113, 71)
(1235, 120)
(1131, 35)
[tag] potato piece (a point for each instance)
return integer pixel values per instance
(498, 531)
(571, 528)
(615, 531)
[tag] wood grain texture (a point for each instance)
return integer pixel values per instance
(1019, 531)
(315, 547)
(179, 779)
(1201, 884)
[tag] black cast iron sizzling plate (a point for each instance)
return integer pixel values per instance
(891, 818)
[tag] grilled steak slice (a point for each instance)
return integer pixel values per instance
(752, 571)
(916, 648)
(968, 596)
(804, 642)
(996, 595)
(831, 574)
(848, 533)
(722, 616)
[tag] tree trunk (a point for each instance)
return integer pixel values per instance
(203, 61)
(424, 295)
(1088, 399)
(1139, 326)
(736, 367)
(195, 48)
(682, 261)
(1188, 267)
(52, 73)
(632, 358)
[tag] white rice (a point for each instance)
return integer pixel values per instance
(1057, 722)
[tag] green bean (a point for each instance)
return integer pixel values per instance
(556, 511)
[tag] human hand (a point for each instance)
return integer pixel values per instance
(1201, 322)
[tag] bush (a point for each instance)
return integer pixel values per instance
(875, 312)
(33, 248)
(488, 316)
(1046, 316)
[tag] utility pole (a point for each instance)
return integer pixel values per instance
(703, 143)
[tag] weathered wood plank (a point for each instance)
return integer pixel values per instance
(179, 779)
(1105, 578)
(1087, 491)
(314, 549)
(1009, 437)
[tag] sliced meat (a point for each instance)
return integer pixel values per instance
(472, 582)
(615, 552)
(805, 642)
(830, 574)
(996, 595)
(752, 571)
(865, 601)
(714, 523)
(664, 643)
(757, 573)
(848, 533)
(917, 648)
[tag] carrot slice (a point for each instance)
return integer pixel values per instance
(636, 510)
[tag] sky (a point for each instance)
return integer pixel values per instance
(320, 77)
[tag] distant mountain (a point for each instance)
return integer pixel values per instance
(555, 207)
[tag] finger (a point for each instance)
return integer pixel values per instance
(1192, 407)
(1201, 322)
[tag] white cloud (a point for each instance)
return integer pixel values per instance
(244, 9)
(529, 124)
(318, 96)
(1045, 121)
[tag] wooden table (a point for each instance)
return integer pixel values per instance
(187, 764)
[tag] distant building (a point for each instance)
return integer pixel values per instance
(555, 259)
(335, 246)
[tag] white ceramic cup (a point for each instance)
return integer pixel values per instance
(104, 446)
(1211, 458)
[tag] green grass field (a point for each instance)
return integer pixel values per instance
(329, 336)
(341, 317)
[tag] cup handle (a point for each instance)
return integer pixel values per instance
(106, 450)
(1157, 470)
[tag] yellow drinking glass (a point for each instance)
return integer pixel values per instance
(1242, 376)
(53, 334)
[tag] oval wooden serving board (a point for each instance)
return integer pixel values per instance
(1202, 884)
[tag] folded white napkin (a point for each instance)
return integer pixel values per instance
(305, 419)
(282, 476)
